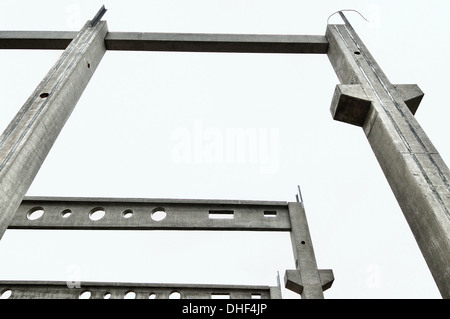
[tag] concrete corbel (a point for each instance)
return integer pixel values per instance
(293, 280)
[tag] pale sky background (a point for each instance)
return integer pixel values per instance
(121, 138)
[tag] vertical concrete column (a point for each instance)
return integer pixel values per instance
(418, 176)
(306, 279)
(27, 140)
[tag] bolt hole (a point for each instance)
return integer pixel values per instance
(44, 95)
(97, 213)
(35, 213)
(107, 295)
(302, 242)
(158, 214)
(89, 65)
(6, 294)
(357, 52)
(152, 296)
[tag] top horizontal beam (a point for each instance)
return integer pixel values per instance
(175, 42)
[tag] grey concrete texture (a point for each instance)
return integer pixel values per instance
(305, 279)
(104, 290)
(416, 173)
(29, 137)
(181, 42)
(151, 214)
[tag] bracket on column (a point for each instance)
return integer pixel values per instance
(411, 94)
(293, 280)
(351, 105)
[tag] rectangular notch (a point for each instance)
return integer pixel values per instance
(220, 296)
(270, 213)
(221, 214)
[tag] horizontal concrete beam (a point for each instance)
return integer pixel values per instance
(99, 290)
(150, 214)
(182, 42)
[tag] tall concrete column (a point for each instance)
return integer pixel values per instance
(306, 279)
(418, 176)
(27, 140)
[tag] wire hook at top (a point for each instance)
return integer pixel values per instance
(340, 11)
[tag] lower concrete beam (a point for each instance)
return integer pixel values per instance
(104, 290)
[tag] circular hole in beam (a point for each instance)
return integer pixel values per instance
(152, 296)
(357, 52)
(97, 213)
(6, 294)
(35, 213)
(66, 213)
(127, 213)
(44, 95)
(175, 295)
(85, 295)
(107, 295)
(158, 214)
(130, 295)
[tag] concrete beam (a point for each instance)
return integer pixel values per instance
(102, 290)
(419, 178)
(29, 137)
(151, 214)
(189, 42)
(36, 40)
(180, 42)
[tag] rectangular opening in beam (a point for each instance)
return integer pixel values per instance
(220, 296)
(221, 214)
(270, 213)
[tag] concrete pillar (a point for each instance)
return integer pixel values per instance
(306, 279)
(418, 176)
(27, 140)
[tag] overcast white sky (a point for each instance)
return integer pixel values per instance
(122, 138)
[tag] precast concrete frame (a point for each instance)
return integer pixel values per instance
(418, 176)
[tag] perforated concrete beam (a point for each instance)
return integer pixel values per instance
(104, 290)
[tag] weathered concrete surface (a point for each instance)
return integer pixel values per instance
(306, 279)
(135, 214)
(418, 176)
(102, 290)
(184, 42)
(27, 140)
